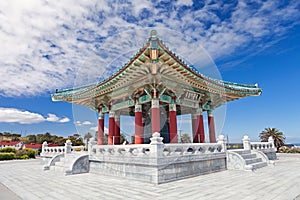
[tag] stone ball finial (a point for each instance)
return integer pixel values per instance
(221, 138)
(246, 138)
(68, 142)
(270, 139)
(156, 139)
(156, 134)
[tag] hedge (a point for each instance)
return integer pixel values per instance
(8, 150)
(7, 156)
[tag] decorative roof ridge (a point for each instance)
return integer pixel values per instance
(192, 69)
(99, 83)
(77, 89)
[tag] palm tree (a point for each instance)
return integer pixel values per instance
(276, 135)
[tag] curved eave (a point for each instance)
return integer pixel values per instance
(232, 91)
(228, 86)
(67, 95)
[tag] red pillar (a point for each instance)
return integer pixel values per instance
(211, 127)
(138, 125)
(155, 119)
(173, 123)
(195, 128)
(100, 128)
(201, 128)
(117, 129)
(111, 127)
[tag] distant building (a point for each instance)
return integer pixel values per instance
(32, 146)
(37, 147)
(16, 144)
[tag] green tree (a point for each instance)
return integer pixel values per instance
(123, 139)
(88, 136)
(277, 135)
(76, 141)
(15, 137)
(76, 135)
(185, 138)
(7, 135)
(61, 141)
(31, 139)
(48, 137)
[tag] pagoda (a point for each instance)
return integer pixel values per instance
(155, 86)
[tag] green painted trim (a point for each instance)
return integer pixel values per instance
(144, 99)
(123, 104)
(165, 98)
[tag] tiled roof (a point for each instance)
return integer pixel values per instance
(9, 143)
(38, 146)
(33, 146)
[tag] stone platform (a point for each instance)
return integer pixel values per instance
(28, 181)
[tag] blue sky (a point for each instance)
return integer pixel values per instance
(61, 44)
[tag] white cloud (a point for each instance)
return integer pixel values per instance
(12, 115)
(52, 118)
(52, 44)
(95, 128)
(79, 123)
(184, 3)
(64, 120)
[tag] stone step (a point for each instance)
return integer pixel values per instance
(248, 156)
(241, 151)
(253, 160)
(259, 165)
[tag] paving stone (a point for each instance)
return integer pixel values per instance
(28, 181)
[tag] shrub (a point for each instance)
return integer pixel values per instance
(24, 157)
(30, 152)
(20, 153)
(8, 150)
(77, 149)
(7, 156)
(285, 149)
(294, 150)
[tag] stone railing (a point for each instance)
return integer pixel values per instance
(267, 148)
(155, 149)
(68, 148)
(258, 145)
(158, 162)
(53, 150)
(261, 145)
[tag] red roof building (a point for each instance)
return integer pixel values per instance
(37, 146)
(15, 144)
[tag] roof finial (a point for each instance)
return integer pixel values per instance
(153, 33)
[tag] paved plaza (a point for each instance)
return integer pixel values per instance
(26, 180)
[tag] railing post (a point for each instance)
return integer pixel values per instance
(68, 147)
(91, 143)
(271, 141)
(44, 145)
(157, 145)
(246, 142)
(222, 141)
